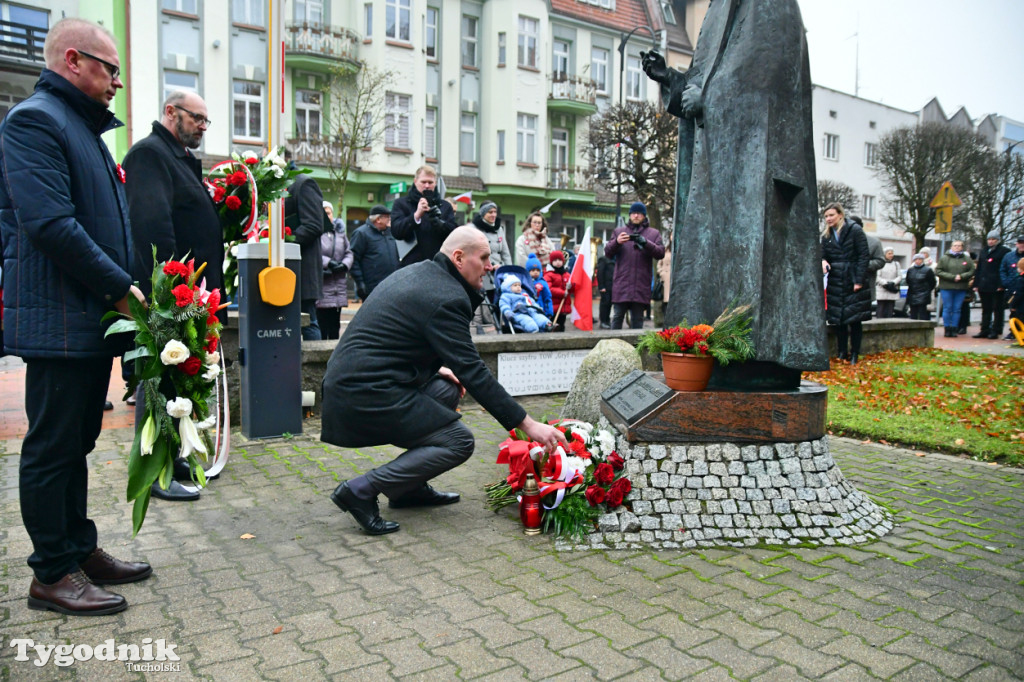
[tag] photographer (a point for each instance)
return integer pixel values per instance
(422, 219)
(631, 288)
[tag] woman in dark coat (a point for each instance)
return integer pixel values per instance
(844, 254)
(920, 285)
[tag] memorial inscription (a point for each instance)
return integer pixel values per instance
(635, 395)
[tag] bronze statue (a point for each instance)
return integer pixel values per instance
(746, 227)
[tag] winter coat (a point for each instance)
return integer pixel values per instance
(415, 322)
(558, 283)
(848, 263)
(543, 296)
(428, 237)
(510, 302)
(1015, 296)
(304, 214)
(920, 285)
(334, 246)
(530, 243)
(876, 259)
(890, 272)
(986, 277)
(170, 208)
(633, 263)
(67, 245)
(374, 256)
(949, 267)
(496, 239)
(1008, 268)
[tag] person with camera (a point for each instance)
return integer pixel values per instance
(422, 219)
(887, 286)
(634, 268)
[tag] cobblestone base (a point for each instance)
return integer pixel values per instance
(724, 494)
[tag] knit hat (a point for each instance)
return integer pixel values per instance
(558, 255)
(994, 234)
(506, 284)
(533, 263)
(488, 205)
(918, 255)
(638, 207)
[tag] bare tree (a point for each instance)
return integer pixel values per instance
(648, 135)
(835, 192)
(355, 118)
(914, 162)
(996, 195)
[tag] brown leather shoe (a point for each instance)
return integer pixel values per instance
(104, 569)
(74, 595)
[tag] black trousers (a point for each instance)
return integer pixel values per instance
(920, 312)
(885, 309)
(64, 403)
(855, 334)
(311, 332)
(636, 314)
(429, 456)
(604, 313)
(329, 320)
(992, 303)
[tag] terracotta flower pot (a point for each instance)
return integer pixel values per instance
(685, 372)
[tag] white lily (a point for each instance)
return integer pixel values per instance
(207, 423)
(191, 441)
(148, 435)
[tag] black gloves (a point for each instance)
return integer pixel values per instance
(361, 291)
(337, 267)
(641, 240)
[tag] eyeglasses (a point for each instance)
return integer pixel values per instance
(112, 69)
(198, 118)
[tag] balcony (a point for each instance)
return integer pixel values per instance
(578, 179)
(573, 95)
(316, 47)
(317, 151)
(22, 44)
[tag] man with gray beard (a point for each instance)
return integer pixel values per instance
(169, 207)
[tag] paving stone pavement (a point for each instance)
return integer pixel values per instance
(461, 593)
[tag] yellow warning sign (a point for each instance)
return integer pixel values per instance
(944, 219)
(947, 196)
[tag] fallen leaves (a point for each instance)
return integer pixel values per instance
(246, 536)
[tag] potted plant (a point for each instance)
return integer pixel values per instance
(688, 353)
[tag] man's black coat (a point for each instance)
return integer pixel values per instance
(986, 277)
(305, 215)
(416, 321)
(428, 237)
(170, 207)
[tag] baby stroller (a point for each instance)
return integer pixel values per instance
(505, 326)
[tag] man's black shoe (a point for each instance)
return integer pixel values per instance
(365, 512)
(423, 497)
(993, 336)
(108, 406)
(980, 335)
(175, 492)
(182, 473)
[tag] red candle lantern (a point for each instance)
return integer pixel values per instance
(529, 506)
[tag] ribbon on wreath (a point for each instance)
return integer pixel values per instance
(559, 476)
(251, 224)
(520, 456)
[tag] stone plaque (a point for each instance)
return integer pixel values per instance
(539, 372)
(635, 395)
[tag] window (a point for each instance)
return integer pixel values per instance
(430, 133)
(467, 138)
(634, 79)
(501, 146)
(431, 37)
(368, 21)
(869, 207)
(249, 12)
(183, 6)
(469, 26)
(670, 16)
(397, 18)
(831, 150)
(309, 11)
(248, 110)
(526, 138)
(307, 113)
(559, 60)
(599, 69)
(870, 154)
(396, 120)
(30, 36)
(559, 158)
(367, 129)
(501, 49)
(180, 80)
(528, 29)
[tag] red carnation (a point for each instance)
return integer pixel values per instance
(211, 343)
(233, 203)
(615, 459)
(211, 320)
(184, 295)
(173, 267)
(218, 193)
(191, 366)
(623, 485)
(604, 474)
(595, 495)
(614, 498)
(251, 160)
(287, 231)
(237, 178)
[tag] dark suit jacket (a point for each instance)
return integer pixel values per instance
(170, 207)
(416, 321)
(305, 215)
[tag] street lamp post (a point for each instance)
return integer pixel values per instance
(622, 86)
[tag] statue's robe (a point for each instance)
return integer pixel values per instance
(748, 231)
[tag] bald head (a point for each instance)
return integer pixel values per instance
(85, 54)
(72, 32)
(467, 248)
(466, 238)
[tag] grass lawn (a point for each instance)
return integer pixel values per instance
(959, 403)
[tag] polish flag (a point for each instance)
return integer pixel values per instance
(466, 198)
(581, 282)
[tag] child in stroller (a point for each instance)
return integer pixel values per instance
(519, 308)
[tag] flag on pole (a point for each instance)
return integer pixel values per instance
(581, 282)
(465, 197)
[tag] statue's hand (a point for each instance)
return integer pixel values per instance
(692, 101)
(654, 66)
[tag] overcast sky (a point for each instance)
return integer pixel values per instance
(965, 52)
